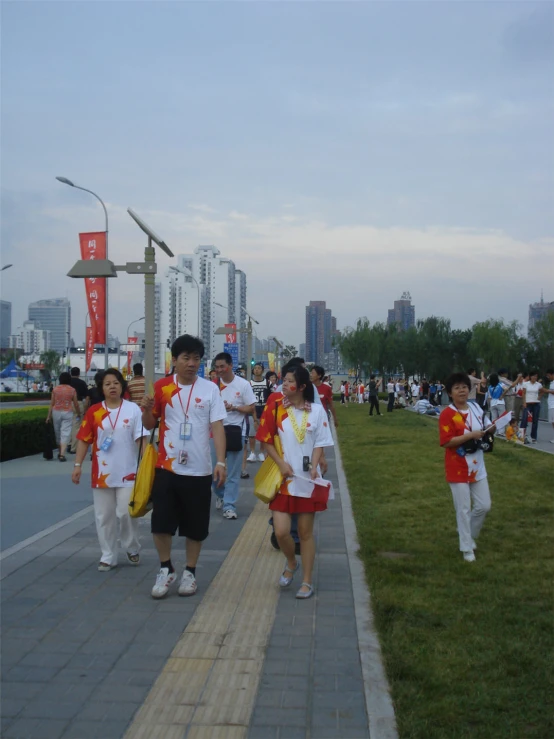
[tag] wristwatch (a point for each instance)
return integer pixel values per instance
(220, 464)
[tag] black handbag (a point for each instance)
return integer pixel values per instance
(233, 438)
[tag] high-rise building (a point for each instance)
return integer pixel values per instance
(537, 311)
(31, 339)
(403, 313)
(53, 315)
(5, 323)
(320, 326)
(205, 293)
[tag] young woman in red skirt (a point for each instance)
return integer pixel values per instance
(303, 430)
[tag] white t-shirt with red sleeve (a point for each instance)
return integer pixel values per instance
(199, 405)
(115, 467)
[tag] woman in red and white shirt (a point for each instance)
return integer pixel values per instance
(303, 430)
(114, 428)
(461, 425)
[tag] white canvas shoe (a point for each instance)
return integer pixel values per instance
(164, 579)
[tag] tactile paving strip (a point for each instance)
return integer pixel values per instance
(208, 686)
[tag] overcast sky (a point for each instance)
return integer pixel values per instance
(335, 151)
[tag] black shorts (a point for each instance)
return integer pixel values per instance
(181, 502)
(259, 410)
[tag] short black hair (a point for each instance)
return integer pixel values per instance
(471, 370)
(118, 376)
(550, 371)
(225, 356)
(372, 377)
(64, 378)
(75, 372)
(189, 344)
(503, 371)
(302, 377)
(320, 371)
(457, 378)
(138, 369)
(494, 379)
(98, 377)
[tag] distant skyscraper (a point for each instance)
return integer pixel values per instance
(53, 315)
(5, 323)
(537, 311)
(240, 315)
(320, 325)
(403, 313)
(31, 339)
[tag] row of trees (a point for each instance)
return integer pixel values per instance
(433, 349)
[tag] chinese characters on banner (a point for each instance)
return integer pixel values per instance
(231, 335)
(93, 246)
(89, 348)
(130, 340)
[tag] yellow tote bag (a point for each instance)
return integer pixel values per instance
(269, 478)
(140, 497)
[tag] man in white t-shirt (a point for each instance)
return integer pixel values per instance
(187, 407)
(239, 400)
(550, 392)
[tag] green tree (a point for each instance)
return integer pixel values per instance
(495, 343)
(542, 342)
(52, 363)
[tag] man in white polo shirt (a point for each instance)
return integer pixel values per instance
(239, 400)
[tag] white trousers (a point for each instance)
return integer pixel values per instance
(470, 520)
(360, 398)
(111, 505)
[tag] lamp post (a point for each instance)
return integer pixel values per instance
(65, 181)
(188, 273)
(137, 320)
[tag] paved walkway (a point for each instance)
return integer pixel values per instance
(89, 654)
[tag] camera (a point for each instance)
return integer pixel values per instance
(472, 446)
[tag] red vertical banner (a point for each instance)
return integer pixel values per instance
(231, 335)
(89, 348)
(130, 340)
(93, 246)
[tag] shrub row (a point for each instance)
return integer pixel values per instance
(24, 432)
(18, 397)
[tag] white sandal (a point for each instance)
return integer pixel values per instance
(301, 595)
(285, 581)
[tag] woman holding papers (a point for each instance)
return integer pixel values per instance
(303, 429)
(461, 428)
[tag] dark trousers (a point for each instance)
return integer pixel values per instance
(373, 403)
(390, 405)
(534, 409)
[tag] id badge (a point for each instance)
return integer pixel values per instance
(186, 431)
(183, 457)
(106, 444)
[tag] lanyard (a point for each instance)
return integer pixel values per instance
(186, 412)
(113, 425)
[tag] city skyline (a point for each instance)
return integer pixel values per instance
(361, 148)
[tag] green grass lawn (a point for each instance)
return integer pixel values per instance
(468, 648)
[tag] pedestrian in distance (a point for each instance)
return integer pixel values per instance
(343, 394)
(304, 432)
(137, 386)
(187, 407)
(271, 384)
(461, 427)
(495, 397)
(550, 392)
(390, 392)
(532, 391)
(82, 390)
(114, 428)
(374, 386)
(259, 386)
(239, 401)
(324, 391)
(63, 404)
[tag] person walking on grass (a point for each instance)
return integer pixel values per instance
(186, 406)
(304, 432)
(374, 386)
(390, 391)
(114, 428)
(461, 426)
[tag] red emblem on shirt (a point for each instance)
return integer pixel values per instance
(237, 394)
(198, 400)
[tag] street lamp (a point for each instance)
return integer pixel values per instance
(106, 268)
(188, 273)
(137, 320)
(248, 331)
(65, 181)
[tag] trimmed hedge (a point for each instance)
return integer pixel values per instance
(19, 397)
(23, 432)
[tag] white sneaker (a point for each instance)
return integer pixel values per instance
(164, 579)
(261, 457)
(469, 557)
(251, 457)
(218, 503)
(187, 586)
(230, 514)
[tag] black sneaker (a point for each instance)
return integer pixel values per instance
(244, 475)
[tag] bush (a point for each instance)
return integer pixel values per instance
(25, 397)
(23, 432)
